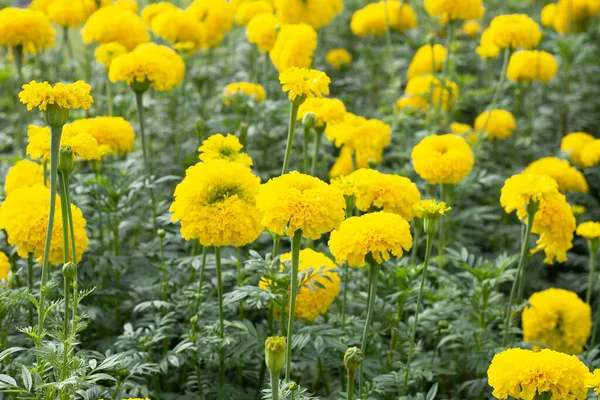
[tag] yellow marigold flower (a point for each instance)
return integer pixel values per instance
(304, 82)
(371, 19)
(521, 189)
(107, 52)
(180, 27)
(219, 147)
(455, 9)
(464, 130)
(250, 9)
(24, 173)
(5, 267)
(487, 50)
(327, 111)
(423, 85)
(114, 135)
(23, 27)
(496, 124)
(547, 15)
(522, 374)
(573, 143)
(155, 9)
(338, 58)
(578, 210)
(569, 179)
(443, 159)
(378, 235)
(557, 318)
(589, 230)
(574, 15)
(215, 204)
(69, 13)
(343, 164)
(114, 24)
(261, 30)
(316, 13)
(81, 142)
(157, 65)
(296, 201)
(294, 47)
(531, 65)
(471, 29)
(592, 381)
(217, 18)
(24, 217)
(410, 103)
(70, 96)
(375, 191)
(129, 5)
(590, 154)
(252, 90)
(317, 290)
(430, 207)
(514, 31)
(427, 59)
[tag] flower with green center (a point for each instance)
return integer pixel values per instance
(219, 147)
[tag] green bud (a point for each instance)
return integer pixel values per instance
(69, 270)
(443, 324)
(309, 121)
(352, 359)
(194, 319)
(160, 233)
(293, 386)
(275, 348)
(56, 116)
(66, 161)
(140, 87)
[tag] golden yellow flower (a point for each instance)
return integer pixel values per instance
(521, 374)
(69, 13)
(70, 96)
(443, 159)
(215, 204)
(114, 24)
(371, 19)
(578, 210)
(378, 235)
(471, 29)
(23, 27)
(296, 201)
(4, 267)
(452, 10)
(261, 30)
(81, 142)
(573, 143)
(327, 111)
(251, 90)
(547, 14)
(114, 135)
(153, 10)
(250, 9)
(496, 124)
(129, 5)
(573, 15)
(464, 130)
(338, 58)
(24, 217)
(294, 47)
(590, 154)
(531, 65)
(410, 103)
(558, 319)
(427, 59)
(304, 83)
(589, 230)
(592, 381)
(316, 13)
(431, 208)
(569, 179)
(24, 173)
(521, 189)
(513, 31)
(219, 147)
(107, 52)
(343, 164)
(180, 27)
(429, 88)
(217, 18)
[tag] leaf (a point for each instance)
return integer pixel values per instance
(26, 376)
(432, 392)
(9, 351)
(8, 380)
(92, 363)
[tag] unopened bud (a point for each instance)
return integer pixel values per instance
(160, 233)
(309, 121)
(293, 386)
(69, 270)
(275, 348)
(194, 319)
(352, 359)
(56, 116)
(66, 161)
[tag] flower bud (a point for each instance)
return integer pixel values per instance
(66, 161)
(352, 359)
(309, 121)
(69, 270)
(194, 320)
(56, 116)
(293, 386)
(160, 233)
(275, 348)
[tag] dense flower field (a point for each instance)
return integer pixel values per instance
(300, 199)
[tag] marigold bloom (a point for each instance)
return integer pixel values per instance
(496, 124)
(24, 217)
(4, 267)
(430, 87)
(250, 9)
(338, 58)
(590, 154)
(569, 179)
(521, 189)
(114, 135)
(215, 204)
(455, 9)
(557, 318)
(217, 18)
(410, 104)
(592, 381)
(219, 147)
(430, 207)
(464, 130)
(471, 29)
(23, 27)
(114, 24)
(316, 13)
(443, 159)
(487, 49)
(107, 52)
(427, 59)
(522, 374)
(343, 164)
(294, 47)
(371, 19)
(531, 65)
(573, 143)
(318, 290)
(378, 235)
(296, 201)
(547, 15)
(261, 30)
(81, 142)
(304, 82)
(514, 31)
(251, 90)
(589, 230)
(327, 111)
(67, 13)
(573, 15)
(70, 96)
(180, 28)
(153, 10)
(24, 173)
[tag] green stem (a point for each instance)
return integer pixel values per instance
(345, 294)
(30, 284)
(350, 392)
(290, 139)
(221, 322)
(413, 334)
(388, 40)
(109, 99)
(296, 241)
(317, 149)
(373, 281)
(415, 248)
(593, 250)
(274, 385)
(67, 194)
(305, 150)
(200, 281)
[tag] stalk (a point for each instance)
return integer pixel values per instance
(221, 323)
(67, 193)
(350, 391)
(373, 281)
(296, 241)
(30, 284)
(290, 139)
(274, 385)
(318, 140)
(593, 248)
(305, 150)
(109, 99)
(388, 40)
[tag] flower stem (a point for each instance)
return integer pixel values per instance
(67, 194)
(350, 391)
(221, 323)
(275, 385)
(316, 150)
(200, 281)
(296, 241)
(345, 294)
(388, 40)
(413, 334)
(373, 281)
(30, 284)
(290, 139)
(109, 99)
(593, 249)
(305, 150)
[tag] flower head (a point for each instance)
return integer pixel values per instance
(215, 204)
(4, 267)
(82, 143)
(590, 154)
(443, 159)
(592, 381)
(338, 58)
(428, 87)
(250, 9)
(327, 111)
(522, 189)
(455, 9)
(70, 96)
(471, 29)
(569, 179)
(378, 235)
(532, 65)
(115, 24)
(294, 47)
(557, 318)
(24, 173)
(114, 135)
(107, 52)
(430, 208)
(371, 19)
(68, 13)
(153, 10)
(573, 143)
(24, 27)
(589, 230)
(217, 18)
(570, 15)
(304, 83)
(316, 13)
(180, 28)
(261, 30)
(296, 201)
(513, 31)
(219, 147)
(496, 124)
(428, 58)
(248, 89)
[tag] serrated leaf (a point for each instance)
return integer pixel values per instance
(26, 376)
